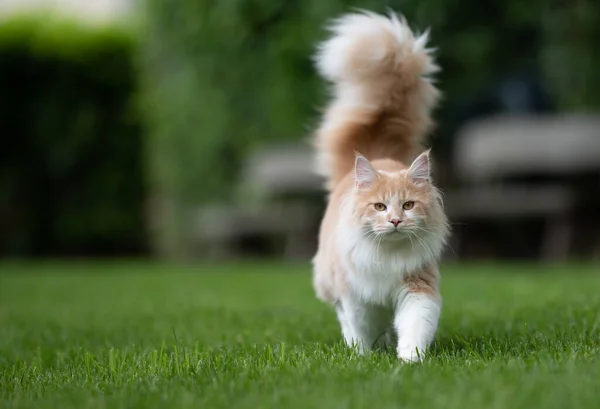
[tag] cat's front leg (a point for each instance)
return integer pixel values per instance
(347, 330)
(416, 318)
(363, 325)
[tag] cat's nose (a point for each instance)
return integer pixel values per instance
(395, 222)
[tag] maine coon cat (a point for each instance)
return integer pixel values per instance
(384, 228)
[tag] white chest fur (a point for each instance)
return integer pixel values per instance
(375, 272)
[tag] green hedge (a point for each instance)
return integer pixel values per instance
(223, 77)
(71, 161)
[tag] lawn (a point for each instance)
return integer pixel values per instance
(134, 335)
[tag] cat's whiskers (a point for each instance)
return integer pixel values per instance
(429, 231)
(412, 245)
(437, 236)
(427, 248)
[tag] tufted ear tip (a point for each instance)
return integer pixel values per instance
(419, 170)
(364, 173)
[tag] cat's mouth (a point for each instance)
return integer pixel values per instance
(395, 234)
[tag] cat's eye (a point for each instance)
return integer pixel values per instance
(408, 205)
(380, 207)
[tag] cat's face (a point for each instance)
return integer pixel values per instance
(399, 205)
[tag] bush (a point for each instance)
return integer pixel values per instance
(71, 162)
(224, 77)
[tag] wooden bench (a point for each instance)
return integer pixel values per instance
(279, 200)
(552, 204)
(495, 156)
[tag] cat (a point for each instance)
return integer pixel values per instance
(384, 228)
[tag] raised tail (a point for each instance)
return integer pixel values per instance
(382, 92)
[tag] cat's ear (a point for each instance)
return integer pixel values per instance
(364, 173)
(419, 170)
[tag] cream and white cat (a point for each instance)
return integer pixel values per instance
(384, 228)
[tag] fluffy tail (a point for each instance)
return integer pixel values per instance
(382, 95)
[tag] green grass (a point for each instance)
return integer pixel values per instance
(110, 335)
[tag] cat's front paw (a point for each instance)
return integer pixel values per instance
(410, 355)
(357, 346)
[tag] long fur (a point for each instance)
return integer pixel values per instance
(384, 228)
(382, 92)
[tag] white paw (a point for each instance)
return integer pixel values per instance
(358, 346)
(411, 355)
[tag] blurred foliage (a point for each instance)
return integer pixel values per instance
(570, 56)
(224, 77)
(71, 156)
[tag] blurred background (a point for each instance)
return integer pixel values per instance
(178, 129)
